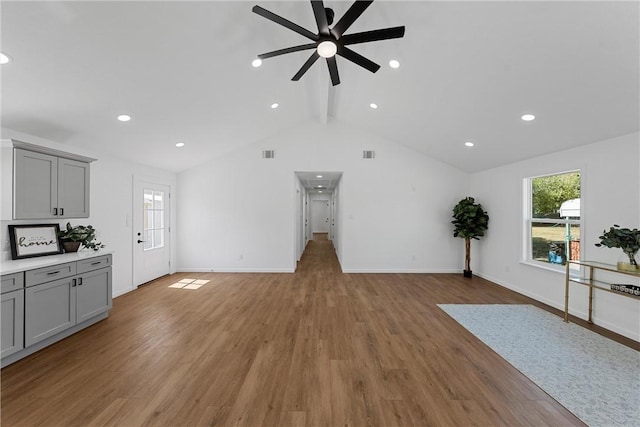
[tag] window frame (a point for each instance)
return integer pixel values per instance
(528, 220)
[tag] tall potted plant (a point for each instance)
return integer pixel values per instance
(470, 222)
(626, 239)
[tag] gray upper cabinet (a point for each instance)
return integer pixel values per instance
(47, 186)
(73, 189)
(35, 192)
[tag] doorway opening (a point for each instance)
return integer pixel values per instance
(317, 209)
(151, 227)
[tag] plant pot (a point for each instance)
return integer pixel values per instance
(624, 263)
(71, 246)
(466, 273)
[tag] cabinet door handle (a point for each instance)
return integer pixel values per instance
(73, 283)
(96, 263)
(61, 211)
(55, 211)
(80, 281)
(53, 272)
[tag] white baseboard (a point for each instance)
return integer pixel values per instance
(235, 270)
(399, 270)
(125, 291)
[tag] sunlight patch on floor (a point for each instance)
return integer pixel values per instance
(189, 284)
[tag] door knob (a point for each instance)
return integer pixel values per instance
(141, 241)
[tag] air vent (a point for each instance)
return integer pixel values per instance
(368, 154)
(268, 154)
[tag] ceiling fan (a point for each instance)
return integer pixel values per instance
(331, 41)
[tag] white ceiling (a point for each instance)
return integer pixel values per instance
(468, 71)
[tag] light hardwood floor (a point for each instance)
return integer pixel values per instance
(314, 348)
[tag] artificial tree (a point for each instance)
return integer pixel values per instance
(470, 221)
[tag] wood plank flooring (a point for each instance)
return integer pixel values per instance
(314, 348)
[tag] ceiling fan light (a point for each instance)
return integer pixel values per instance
(327, 49)
(256, 63)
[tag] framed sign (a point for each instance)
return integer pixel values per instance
(34, 240)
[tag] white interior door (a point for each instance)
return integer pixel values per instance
(320, 216)
(151, 237)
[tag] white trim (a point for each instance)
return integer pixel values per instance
(123, 292)
(235, 270)
(545, 266)
(402, 271)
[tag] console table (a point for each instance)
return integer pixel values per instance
(591, 267)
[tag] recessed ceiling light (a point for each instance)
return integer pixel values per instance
(124, 117)
(327, 49)
(469, 144)
(4, 58)
(274, 105)
(256, 63)
(528, 117)
(318, 176)
(179, 144)
(319, 191)
(374, 106)
(394, 64)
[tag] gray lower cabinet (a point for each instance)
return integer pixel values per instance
(12, 311)
(93, 294)
(54, 306)
(50, 308)
(55, 302)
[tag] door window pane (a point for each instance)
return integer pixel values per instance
(153, 219)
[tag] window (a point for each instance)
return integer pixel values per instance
(553, 217)
(153, 219)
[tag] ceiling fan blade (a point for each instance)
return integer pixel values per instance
(284, 22)
(321, 17)
(372, 36)
(356, 58)
(287, 50)
(313, 58)
(333, 70)
(350, 17)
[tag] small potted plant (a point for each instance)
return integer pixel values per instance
(74, 236)
(626, 239)
(470, 221)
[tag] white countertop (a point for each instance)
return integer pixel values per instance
(18, 265)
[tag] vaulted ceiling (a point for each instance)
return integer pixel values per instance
(182, 70)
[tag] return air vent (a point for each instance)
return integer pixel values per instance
(368, 154)
(268, 154)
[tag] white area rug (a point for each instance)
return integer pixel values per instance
(595, 378)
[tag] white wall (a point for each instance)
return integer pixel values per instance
(236, 213)
(111, 205)
(609, 195)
